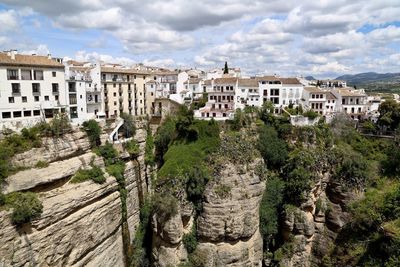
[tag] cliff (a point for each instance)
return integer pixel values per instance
(81, 223)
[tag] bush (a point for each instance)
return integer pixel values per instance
(129, 127)
(95, 174)
(190, 240)
(132, 147)
(165, 206)
(2, 199)
(195, 186)
(108, 152)
(164, 136)
(93, 132)
(26, 207)
(222, 190)
(57, 127)
(117, 170)
(311, 114)
(149, 158)
(272, 149)
(41, 164)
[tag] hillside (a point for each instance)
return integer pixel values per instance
(385, 82)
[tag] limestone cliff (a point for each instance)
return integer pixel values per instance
(81, 222)
(227, 227)
(312, 228)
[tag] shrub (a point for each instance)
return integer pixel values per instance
(2, 199)
(117, 170)
(272, 149)
(26, 207)
(132, 147)
(108, 152)
(95, 174)
(311, 114)
(149, 158)
(196, 184)
(222, 190)
(128, 128)
(58, 126)
(93, 132)
(165, 206)
(190, 240)
(164, 136)
(41, 164)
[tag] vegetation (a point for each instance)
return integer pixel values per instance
(132, 147)
(310, 114)
(95, 174)
(128, 128)
(190, 240)
(42, 164)
(25, 205)
(57, 127)
(272, 148)
(108, 152)
(93, 131)
(149, 158)
(389, 114)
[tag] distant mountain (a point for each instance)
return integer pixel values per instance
(310, 78)
(370, 78)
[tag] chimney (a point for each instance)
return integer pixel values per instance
(49, 56)
(12, 54)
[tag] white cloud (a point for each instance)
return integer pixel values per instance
(8, 21)
(41, 50)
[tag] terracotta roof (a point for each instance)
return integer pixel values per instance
(289, 81)
(193, 80)
(329, 95)
(349, 92)
(84, 69)
(122, 70)
(76, 63)
(268, 78)
(207, 82)
(225, 80)
(151, 81)
(29, 60)
(248, 82)
(313, 89)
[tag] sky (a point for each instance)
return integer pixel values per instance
(322, 38)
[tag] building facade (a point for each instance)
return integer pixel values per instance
(32, 89)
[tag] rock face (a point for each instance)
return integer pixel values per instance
(228, 227)
(312, 228)
(81, 223)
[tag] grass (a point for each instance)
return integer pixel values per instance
(26, 206)
(95, 174)
(41, 164)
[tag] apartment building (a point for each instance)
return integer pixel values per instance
(331, 105)
(352, 102)
(32, 89)
(248, 93)
(281, 92)
(124, 91)
(221, 102)
(314, 99)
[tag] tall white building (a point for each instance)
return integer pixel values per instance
(32, 89)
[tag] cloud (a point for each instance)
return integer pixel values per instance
(8, 21)
(41, 50)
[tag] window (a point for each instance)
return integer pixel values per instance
(17, 114)
(12, 74)
(343, 101)
(56, 97)
(72, 99)
(38, 75)
(15, 88)
(115, 94)
(36, 88)
(36, 113)
(114, 85)
(36, 98)
(54, 74)
(72, 87)
(46, 98)
(54, 88)
(6, 115)
(74, 112)
(27, 113)
(24, 99)
(26, 75)
(11, 99)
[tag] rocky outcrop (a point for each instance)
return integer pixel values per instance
(54, 149)
(81, 223)
(227, 228)
(312, 228)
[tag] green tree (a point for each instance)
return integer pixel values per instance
(93, 131)
(226, 69)
(129, 127)
(272, 148)
(149, 158)
(269, 210)
(389, 114)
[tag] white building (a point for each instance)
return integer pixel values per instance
(352, 102)
(314, 99)
(282, 92)
(32, 89)
(247, 93)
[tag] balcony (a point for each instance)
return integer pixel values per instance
(56, 92)
(36, 91)
(92, 102)
(16, 91)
